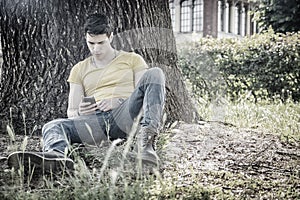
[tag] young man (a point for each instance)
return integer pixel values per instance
(108, 90)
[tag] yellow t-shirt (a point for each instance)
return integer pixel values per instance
(116, 80)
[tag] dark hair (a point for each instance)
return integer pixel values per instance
(97, 24)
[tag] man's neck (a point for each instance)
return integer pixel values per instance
(107, 58)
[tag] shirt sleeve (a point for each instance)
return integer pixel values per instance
(74, 76)
(138, 63)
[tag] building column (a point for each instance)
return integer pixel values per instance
(251, 25)
(220, 16)
(226, 17)
(177, 15)
(232, 19)
(247, 20)
(241, 21)
(210, 20)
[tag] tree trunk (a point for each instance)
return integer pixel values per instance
(42, 40)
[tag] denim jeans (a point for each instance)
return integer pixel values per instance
(148, 97)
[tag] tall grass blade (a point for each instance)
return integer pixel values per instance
(11, 134)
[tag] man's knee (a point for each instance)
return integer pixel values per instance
(156, 74)
(51, 125)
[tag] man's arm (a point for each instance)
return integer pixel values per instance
(75, 95)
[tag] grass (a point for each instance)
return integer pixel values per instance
(110, 176)
(276, 117)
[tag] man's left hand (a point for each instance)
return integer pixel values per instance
(109, 104)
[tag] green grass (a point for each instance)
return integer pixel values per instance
(110, 176)
(275, 117)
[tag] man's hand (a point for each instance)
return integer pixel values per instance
(87, 108)
(109, 104)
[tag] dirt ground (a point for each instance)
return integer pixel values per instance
(241, 163)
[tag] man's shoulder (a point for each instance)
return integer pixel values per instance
(130, 54)
(83, 63)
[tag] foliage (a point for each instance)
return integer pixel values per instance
(263, 66)
(282, 15)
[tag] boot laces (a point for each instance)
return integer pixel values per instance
(149, 139)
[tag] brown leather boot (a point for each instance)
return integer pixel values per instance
(40, 161)
(146, 145)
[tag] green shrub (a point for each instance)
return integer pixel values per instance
(265, 65)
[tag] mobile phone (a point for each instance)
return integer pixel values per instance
(90, 99)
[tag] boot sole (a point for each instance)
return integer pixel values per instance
(146, 159)
(37, 162)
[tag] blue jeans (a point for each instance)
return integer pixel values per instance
(148, 97)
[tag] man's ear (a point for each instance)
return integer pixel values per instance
(111, 37)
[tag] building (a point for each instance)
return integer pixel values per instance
(192, 19)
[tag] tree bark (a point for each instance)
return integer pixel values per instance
(42, 40)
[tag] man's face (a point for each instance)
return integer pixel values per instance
(98, 45)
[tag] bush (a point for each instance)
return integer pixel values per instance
(265, 65)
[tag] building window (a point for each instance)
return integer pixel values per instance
(185, 16)
(243, 22)
(198, 15)
(172, 12)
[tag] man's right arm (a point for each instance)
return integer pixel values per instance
(75, 95)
